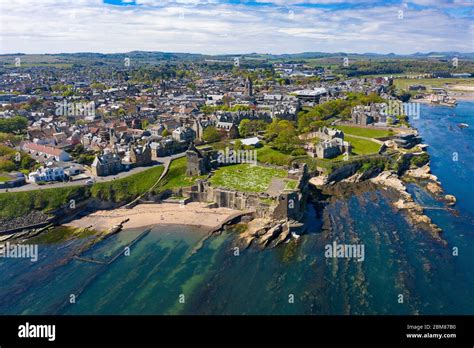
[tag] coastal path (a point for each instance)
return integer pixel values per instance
(167, 162)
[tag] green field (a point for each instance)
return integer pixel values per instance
(362, 146)
(128, 188)
(246, 178)
(14, 204)
(4, 178)
(365, 132)
(291, 184)
(432, 83)
(30, 65)
(176, 176)
(270, 156)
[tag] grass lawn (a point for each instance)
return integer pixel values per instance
(246, 177)
(362, 146)
(268, 155)
(128, 188)
(176, 176)
(364, 132)
(14, 204)
(4, 178)
(291, 184)
(430, 83)
(30, 65)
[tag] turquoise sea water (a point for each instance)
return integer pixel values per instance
(166, 263)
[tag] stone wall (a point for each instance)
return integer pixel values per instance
(289, 204)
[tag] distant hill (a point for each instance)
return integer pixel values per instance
(149, 57)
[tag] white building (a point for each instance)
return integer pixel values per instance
(47, 174)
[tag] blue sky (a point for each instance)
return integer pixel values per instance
(233, 27)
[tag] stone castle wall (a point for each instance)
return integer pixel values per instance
(288, 204)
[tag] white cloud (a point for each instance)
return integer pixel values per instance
(53, 26)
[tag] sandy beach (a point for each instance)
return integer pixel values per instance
(466, 96)
(195, 214)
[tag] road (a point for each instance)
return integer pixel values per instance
(164, 161)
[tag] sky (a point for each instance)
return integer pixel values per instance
(236, 27)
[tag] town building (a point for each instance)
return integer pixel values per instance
(332, 148)
(332, 143)
(140, 155)
(109, 163)
(45, 152)
(47, 174)
(228, 129)
(183, 134)
(364, 115)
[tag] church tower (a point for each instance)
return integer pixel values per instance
(249, 87)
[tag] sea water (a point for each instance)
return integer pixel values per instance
(177, 270)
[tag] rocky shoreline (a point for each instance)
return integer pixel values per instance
(264, 233)
(432, 184)
(34, 217)
(414, 211)
(389, 179)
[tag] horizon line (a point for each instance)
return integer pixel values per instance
(240, 54)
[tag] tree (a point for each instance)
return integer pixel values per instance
(14, 124)
(165, 133)
(99, 86)
(404, 97)
(238, 145)
(78, 149)
(250, 127)
(27, 162)
(276, 127)
(86, 159)
(7, 166)
(282, 135)
(211, 135)
(244, 127)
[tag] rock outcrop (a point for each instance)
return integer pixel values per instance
(433, 186)
(264, 233)
(415, 212)
(450, 200)
(343, 172)
(423, 172)
(32, 218)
